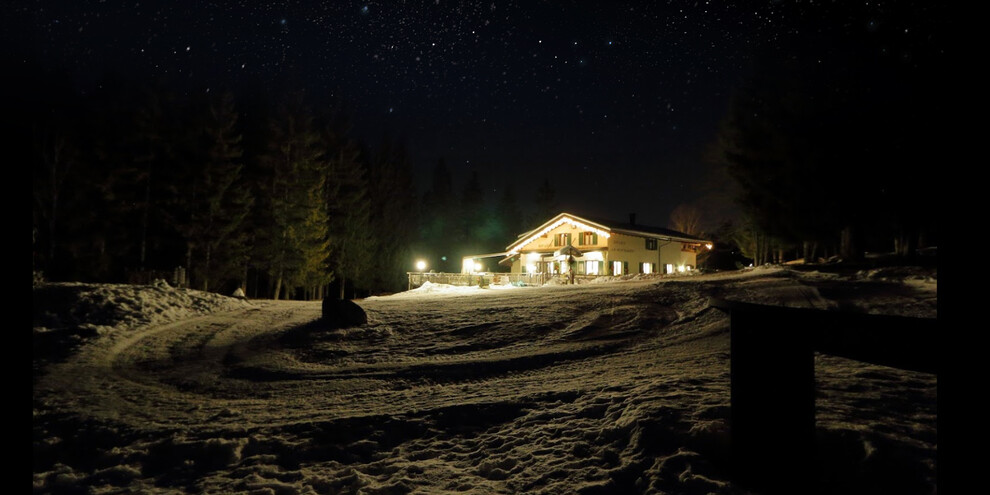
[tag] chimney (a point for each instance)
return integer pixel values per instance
(632, 219)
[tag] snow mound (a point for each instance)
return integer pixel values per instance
(67, 314)
(446, 289)
(59, 305)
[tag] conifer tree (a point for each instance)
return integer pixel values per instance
(439, 220)
(295, 247)
(225, 199)
(348, 210)
(393, 216)
(546, 203)
(472, 217)
(510, 217)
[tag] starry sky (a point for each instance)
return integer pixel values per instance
(614, 102)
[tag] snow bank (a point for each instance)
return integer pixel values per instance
(68, 314)
(447, 289)
(592, 388)
(58, 305)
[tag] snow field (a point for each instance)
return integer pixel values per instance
(599, 388)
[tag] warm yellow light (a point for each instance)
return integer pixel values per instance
(680, 268)
(421, 265)
(709, 246)
(530, 268)
(594, 256)
(478, 267)
(571, 222)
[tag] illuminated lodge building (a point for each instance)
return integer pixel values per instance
(602, 248)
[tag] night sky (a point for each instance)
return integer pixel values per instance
(613, 102)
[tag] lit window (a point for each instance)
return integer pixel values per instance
(616, 268)
(591, 267)
(647, 268)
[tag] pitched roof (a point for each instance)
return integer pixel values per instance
(647, 231)
(608, 226)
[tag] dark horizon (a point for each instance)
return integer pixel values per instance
(620, 100)
(789, 119)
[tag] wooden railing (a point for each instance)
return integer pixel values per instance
(773, 379)
(416, 279)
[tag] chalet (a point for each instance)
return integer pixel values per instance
(601, 247)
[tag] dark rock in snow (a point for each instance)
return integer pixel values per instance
(343, 314)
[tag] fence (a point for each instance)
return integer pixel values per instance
(773, 379)
(417, 279)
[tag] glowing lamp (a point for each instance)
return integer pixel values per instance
(709, 246)
(477, 267)
(421, 265)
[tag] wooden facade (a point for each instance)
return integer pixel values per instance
(593, 247)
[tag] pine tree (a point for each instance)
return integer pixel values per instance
(224, 199)
(472, 217)
(546, 203)
(439, 219)
(509, 216)
(348, 209)
(393, 216)
(296, 246)
(57, 154)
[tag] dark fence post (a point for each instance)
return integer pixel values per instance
(773, 380)
(772, 399)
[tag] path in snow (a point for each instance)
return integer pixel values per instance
(599, 388)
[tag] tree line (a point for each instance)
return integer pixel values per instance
(838, 139)
(465, 221)
(271, 195)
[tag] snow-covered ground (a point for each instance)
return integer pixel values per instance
(619, 387)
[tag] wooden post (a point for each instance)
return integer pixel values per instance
(773, 401)
(773, 380)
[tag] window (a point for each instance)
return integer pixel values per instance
(562, 239)
(670, 268)
(589, 238)
(591, 267)
(646, 268)
(651, 244)
(617, 268)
